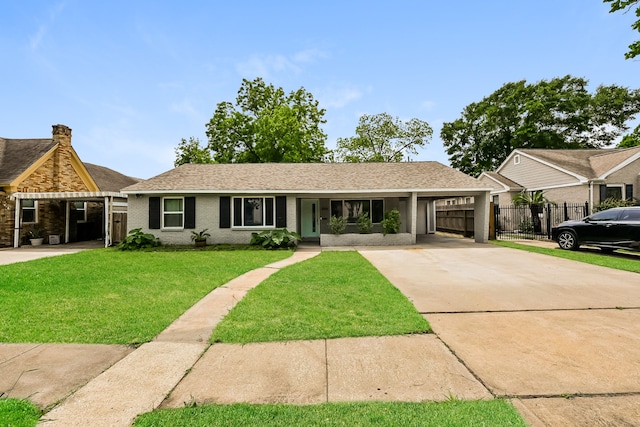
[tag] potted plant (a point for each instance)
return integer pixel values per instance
(36, 236)
(200, 237)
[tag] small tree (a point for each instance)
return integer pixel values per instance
(536, 201)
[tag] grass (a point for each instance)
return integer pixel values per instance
(335, 294)
(18, 413)
(617, 261)
(450, 413)
(112, 297)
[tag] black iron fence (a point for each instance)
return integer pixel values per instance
(534, 222)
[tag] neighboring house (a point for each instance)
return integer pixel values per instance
(573, 176)
(44, 185)
(234, 200)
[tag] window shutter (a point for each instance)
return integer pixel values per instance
(237, 212)
(281, 211)
(225, 212)
(189, 212)
(154, 213)
(628, 191)
(603, 192)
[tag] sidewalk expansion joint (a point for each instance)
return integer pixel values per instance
(21, 354)
(567, 396)
(530, 310)
(326, 370)
(465, 365)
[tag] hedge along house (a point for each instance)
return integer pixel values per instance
(234, 200)
(44, 185)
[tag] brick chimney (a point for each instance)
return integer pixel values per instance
(61, 136)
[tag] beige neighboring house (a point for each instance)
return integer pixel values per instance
(45, 186)
(234, 200)
(573, 176)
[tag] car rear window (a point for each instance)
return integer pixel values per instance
(631, 215)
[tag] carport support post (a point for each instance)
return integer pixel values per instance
(107, 217)
(481, 218)
(67, 221)
(414, 217)
(16, 226)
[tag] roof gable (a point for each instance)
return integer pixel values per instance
(308, 177)
(108, 179)
(18, 155)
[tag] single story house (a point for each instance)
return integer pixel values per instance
(45, 186)
(573, 176)
(234, 200)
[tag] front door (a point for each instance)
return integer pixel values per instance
(310, 215)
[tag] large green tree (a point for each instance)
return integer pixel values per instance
(382, 138)
(191, 152)
(626, 6)
(557, 113)
(631, 139)
(267, 125)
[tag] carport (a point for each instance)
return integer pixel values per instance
(111, 202)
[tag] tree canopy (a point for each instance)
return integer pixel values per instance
(191, 152)
(382, 138)
(626, 6)
(630, 140)
(557, 113)
(267, 125)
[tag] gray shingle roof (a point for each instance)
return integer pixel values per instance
(16, 155)
(590, 164)
(108, 179)
(504, 180)
(308, 177)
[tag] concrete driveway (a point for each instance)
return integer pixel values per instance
(558, 337)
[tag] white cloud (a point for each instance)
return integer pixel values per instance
(266, 65)
(36, 39)
(338, 97)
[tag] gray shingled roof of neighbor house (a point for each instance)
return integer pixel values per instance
(309, 177)
(107, 179)
(16, 155)
(504, 180)
(590, 163)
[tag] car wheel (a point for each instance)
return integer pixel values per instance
(567, 240)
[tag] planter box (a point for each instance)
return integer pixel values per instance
(373, 239)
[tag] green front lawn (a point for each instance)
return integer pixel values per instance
(112, 297)
(442, 414)
(617, 261)
(18, 413)
(333, 295)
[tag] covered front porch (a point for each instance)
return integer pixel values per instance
(417, 216)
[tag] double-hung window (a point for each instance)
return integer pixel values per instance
(29, 211)
(81, 210)
(253, 212)
(173, 212)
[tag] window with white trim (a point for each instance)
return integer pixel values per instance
(29, 211)
(254, 212)
(173, 212)
(352, 209)
(615, 192)
(81, 211)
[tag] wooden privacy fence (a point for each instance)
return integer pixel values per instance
(455, 219)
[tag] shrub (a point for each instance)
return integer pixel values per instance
(138, 240)
(275, 239)
(364, 223)
(612, 202)
(337, 224)
(525, 226)
(391, 222)
(200, 236)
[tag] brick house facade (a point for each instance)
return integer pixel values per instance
(44, 185)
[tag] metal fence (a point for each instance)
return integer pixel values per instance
(534, 222)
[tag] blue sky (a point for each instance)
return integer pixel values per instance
(131, 78)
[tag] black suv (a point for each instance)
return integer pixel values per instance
(616, 228)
